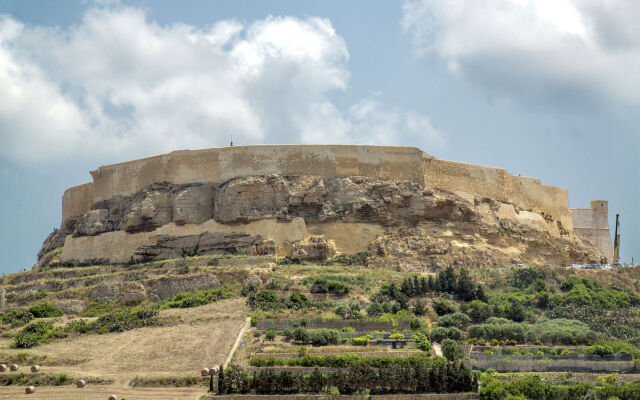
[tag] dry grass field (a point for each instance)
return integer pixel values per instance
(194, 338)
(101, 392)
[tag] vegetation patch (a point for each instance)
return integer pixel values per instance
(169, 381)
(47, 379)
(194, 299)
(44, 331)
(402, 375)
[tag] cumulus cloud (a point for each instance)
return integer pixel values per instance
(534, 49)
(118, 85)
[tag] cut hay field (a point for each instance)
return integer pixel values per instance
(192, 339)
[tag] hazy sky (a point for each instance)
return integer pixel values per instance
(546, 88)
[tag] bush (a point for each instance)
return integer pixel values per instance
(457, 319)
(323, 337)
(322, 285)
(194, 299)
(45, 310)
(523, 277)
(17, 317)
(477, 310)
(374, 310)
(451, 349)
(500, 329)
(300, 334)
(43, 331)
(440, 333)
(270, 333)
(444, 307)
(35, 334)
(560, 330)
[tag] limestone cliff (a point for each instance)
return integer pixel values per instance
(400, 223)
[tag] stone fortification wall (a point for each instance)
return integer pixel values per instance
(77, 200)
(382, 162)
(221, 164)
(592, 225)
(469, 180)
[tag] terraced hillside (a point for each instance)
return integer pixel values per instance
(325, 327)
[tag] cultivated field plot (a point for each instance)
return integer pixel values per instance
(102, 392)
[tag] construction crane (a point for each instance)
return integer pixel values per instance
(616, 241)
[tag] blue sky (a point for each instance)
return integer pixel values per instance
(549, 89)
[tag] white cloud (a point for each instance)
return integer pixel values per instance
(118, 85)
(535, 49)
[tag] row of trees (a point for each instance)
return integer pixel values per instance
(436, 376)
(447, 281)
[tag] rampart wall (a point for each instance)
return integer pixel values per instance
(496, 183)
(221, 164)
(383, 162)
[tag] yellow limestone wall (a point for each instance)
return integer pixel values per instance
(119, 246)
(383, 162)
(77, 200)
(221, 164)
(496, 183)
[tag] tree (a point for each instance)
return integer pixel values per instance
(465, 287)
(451, 349)
(374, 310)
(516, 311)
(478, 311)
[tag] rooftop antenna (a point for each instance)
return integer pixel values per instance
(231, 144)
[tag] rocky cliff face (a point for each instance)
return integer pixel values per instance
(416, 219)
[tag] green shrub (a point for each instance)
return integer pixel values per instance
(438, 334)
(17, 317)
(300, 334)
(37, 333)
(322, 285)
(323, 337)
(451, 349)
(374, 310)
(457, 319)
(444, 307)
(477, 310)
(43, 331)
(45, 310)
(194, 299)
(270, 333)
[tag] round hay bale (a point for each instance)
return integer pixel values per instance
(205, 372)
(30, 389)
(35, 368)
(3, 367)
(113, 397)
(214, 370)
(13, 367)
(81, 383)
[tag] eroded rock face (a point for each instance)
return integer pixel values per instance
(206, 243)
(319, 199)
(71, 306)
(392, 205)
(105, 293)
(156, 205)
(170, 286)
(313, 248)
(132, 293)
